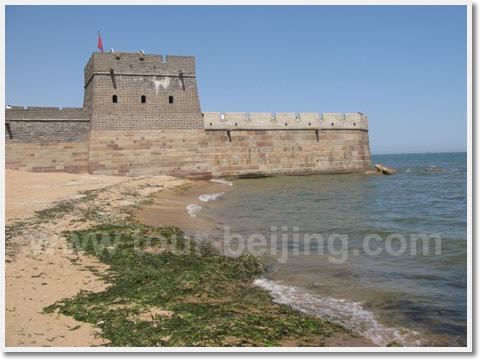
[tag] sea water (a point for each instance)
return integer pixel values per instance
(393, 290)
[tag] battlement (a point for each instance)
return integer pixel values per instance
(35, 113)
(128, 63)
(284, 121)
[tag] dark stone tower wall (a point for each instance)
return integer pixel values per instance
(168, 89)
(162, 135)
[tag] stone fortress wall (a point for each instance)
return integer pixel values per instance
(46, 139)
(287, 143)
(142, 116)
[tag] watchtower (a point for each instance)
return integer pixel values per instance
(137, 91)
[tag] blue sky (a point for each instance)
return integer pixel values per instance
(404, 66)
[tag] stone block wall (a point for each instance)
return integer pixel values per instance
(150, 152)
(70, 157)
(129, 112)
(46, 139)
(52, 139)
(46, 124)
(132, 91)
(137, 63)
(267, 152)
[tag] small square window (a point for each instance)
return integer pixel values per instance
(170, 99)
(144, 99)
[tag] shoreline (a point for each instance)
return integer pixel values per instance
(53, 265)
(171, 204)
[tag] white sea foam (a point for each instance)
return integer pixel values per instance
(193, 209)
(222, 181)
(350, 314)
(208, 197)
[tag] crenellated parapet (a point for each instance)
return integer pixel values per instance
(284, 121)
(139, 64)
(37, 113)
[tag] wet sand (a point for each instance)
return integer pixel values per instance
(169, 207)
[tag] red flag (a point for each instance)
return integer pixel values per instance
(100, 45)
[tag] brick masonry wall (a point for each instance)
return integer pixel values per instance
(45, 113)
(156, 89)
(46, 131)
(71, 157)
(195, 153)
(169, 89)
(150, 152)
(288, 151)
(132, 63)
(42, 139)
(156, 113)
(203, 154)
(139, 122)
(46, 125)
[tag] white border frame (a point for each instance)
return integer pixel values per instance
(468, 348)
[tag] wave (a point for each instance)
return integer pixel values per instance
(208, 197)
(192, 209)
(432, 168)
(348, 313)
(222, 181)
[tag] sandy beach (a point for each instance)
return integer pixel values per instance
(41, 268)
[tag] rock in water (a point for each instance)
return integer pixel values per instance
(385, 170)
(373, 172)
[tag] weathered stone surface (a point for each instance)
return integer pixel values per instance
(373, 172)
(385, 170)
(149, 152)
(288, 152)
(69, 157)
(149, 93)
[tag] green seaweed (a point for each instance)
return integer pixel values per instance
(394, 344)
(166, 290)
